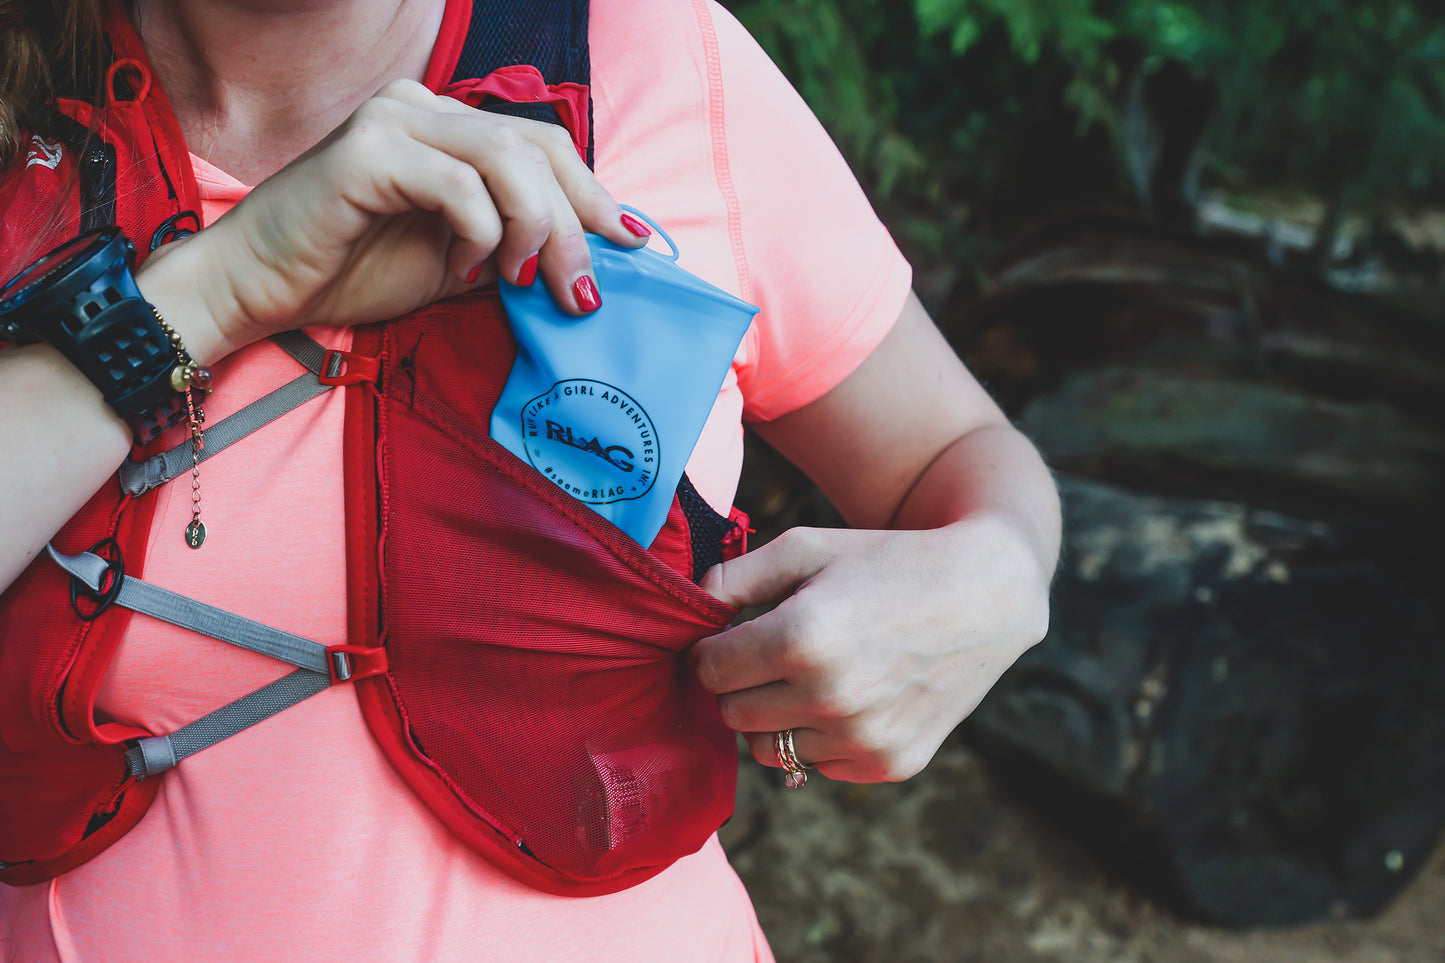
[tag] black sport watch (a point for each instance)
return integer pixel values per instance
(83, 299)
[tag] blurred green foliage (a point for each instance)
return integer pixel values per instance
(823, 47)
(1021, 104)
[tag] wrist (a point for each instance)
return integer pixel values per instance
(1015, 542)
(1002, 562)
(168, 280)
(82, 298)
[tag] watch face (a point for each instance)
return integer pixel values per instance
(73, 252)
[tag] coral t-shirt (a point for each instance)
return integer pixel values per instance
(295, 840)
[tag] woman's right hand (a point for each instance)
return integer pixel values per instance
(414, 198)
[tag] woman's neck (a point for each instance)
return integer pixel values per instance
(255, 83)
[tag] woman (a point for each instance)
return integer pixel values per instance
(374, 196)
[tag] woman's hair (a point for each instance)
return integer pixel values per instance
(45, 46)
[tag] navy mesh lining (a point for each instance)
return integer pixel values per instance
(544, 113)
(551, 35)
(706, 529)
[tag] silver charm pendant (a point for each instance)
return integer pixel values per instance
(196, 533)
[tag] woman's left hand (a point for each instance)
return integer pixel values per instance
(882, 642)
(885, 637)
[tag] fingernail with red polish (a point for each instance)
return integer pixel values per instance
(635, 226)
(474, 273)
(586, 293)
(527, 273)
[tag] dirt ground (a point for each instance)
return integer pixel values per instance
(948, 867)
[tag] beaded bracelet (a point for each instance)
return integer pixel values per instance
(192, 380)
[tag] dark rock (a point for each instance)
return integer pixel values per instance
(1232, 706)
(1168, 432)
(1102, 288)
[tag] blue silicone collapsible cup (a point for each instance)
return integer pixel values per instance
(609, 406)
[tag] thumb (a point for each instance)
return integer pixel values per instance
(773, 572)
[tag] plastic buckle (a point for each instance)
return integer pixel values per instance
(341, 368)
(109, 589)
(351, 662)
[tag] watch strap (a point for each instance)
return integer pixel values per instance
(151, 422)
(124, 352)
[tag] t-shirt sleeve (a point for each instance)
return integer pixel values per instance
(826, 274)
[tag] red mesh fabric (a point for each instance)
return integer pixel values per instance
(60, 775)
(35, 218)
(154, 179)
(41, 642)
(536, 652)
(132, 144)
(139, 175)
(538, 700)
(63, 792)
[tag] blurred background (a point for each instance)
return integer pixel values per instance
(1194, 248)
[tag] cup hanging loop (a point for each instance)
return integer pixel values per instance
(660, 232)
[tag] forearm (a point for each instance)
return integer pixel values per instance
(995, 473)
(61, 441)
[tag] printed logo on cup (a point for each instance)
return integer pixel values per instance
(591, 439)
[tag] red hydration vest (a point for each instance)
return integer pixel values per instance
(517, 658)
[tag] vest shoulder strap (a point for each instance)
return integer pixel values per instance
(550, 35)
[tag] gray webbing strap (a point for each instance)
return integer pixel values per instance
(139, 477)
(304, 348)
(156, 754)
(187, 613)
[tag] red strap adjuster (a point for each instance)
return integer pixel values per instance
(735, 539)
(351, 662)
(341, 368)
